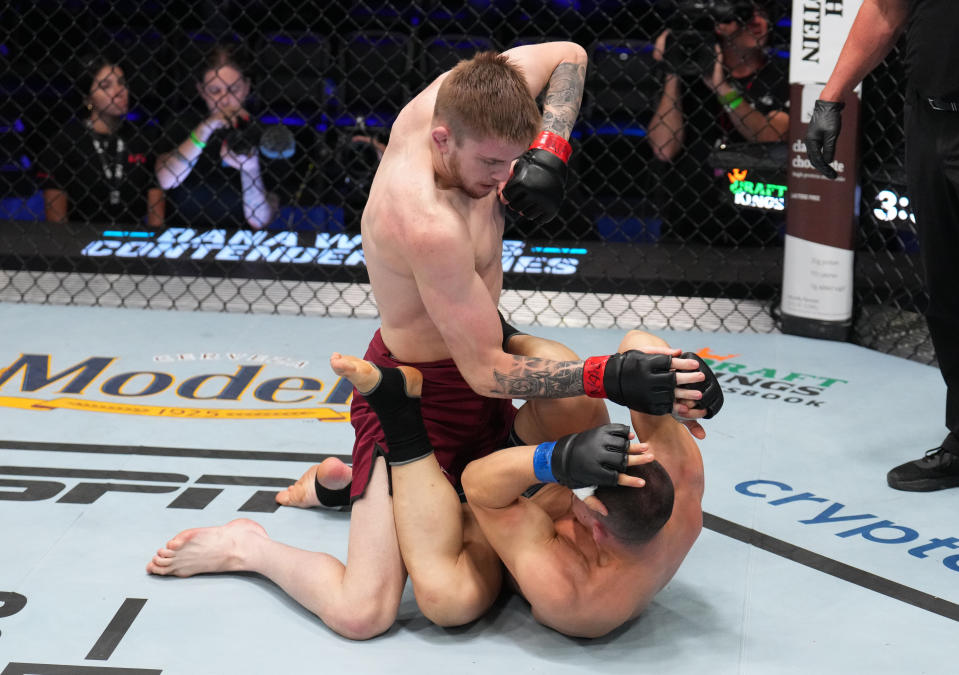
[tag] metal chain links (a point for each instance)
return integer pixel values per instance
(640, 241)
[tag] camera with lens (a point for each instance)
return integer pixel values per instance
(243, 138)
(247, 136)
(691, 46)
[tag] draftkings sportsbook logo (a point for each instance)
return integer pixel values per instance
(203, 386)
(754, 194)
(770, 384)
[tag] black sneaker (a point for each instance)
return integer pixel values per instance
(938, 470)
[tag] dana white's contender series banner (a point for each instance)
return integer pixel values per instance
(821, 219)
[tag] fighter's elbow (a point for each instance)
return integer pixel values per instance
(482, 378)
(474, 380)
(576, 53)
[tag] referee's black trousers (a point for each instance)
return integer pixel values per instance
(932, 170)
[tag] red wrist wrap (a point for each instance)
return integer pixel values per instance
(553, 143)
(594, 368)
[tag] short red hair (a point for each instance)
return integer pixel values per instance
(487, 97)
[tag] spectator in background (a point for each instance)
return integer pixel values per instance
(99, 169)
(211, 183)
(741, 95)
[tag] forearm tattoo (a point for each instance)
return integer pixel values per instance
(563, 97)
(539, 378)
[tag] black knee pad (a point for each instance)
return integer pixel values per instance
(400, 417)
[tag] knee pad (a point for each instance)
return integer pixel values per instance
(400, 418)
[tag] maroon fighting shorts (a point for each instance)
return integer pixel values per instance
(462, 425)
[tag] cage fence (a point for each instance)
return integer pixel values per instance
(151, 212)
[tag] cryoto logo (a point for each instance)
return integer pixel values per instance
(770, 384)
(210, 389)
(868, 526)
(763, 196)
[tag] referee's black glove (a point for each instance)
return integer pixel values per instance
(821, 135)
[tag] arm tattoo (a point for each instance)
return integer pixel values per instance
(563, 97)
(540, 378)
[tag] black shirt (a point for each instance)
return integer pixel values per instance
(89, 166)
(932, 47)
(212, 194)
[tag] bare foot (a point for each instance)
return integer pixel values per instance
(332, 474)
(365, 376)
(207, 549)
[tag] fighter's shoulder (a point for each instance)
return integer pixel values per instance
(404, 190)
(413, 214)
(590, 606)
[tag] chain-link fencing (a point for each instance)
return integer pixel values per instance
(890, 297)
(217, 155)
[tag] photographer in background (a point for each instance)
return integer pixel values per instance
(213, 174)
(721, 85)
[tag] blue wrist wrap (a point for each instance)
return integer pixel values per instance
(542, 462)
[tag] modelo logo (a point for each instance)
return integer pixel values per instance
(876, 530)
(246, 381)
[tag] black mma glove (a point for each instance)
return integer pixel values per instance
(593, 457)
(712, 400)
(536, 187)
(822, 134)
(640, 381)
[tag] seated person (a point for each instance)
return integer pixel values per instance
(99, 168)
(209, 183)
(585, 566)
(741, 96)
